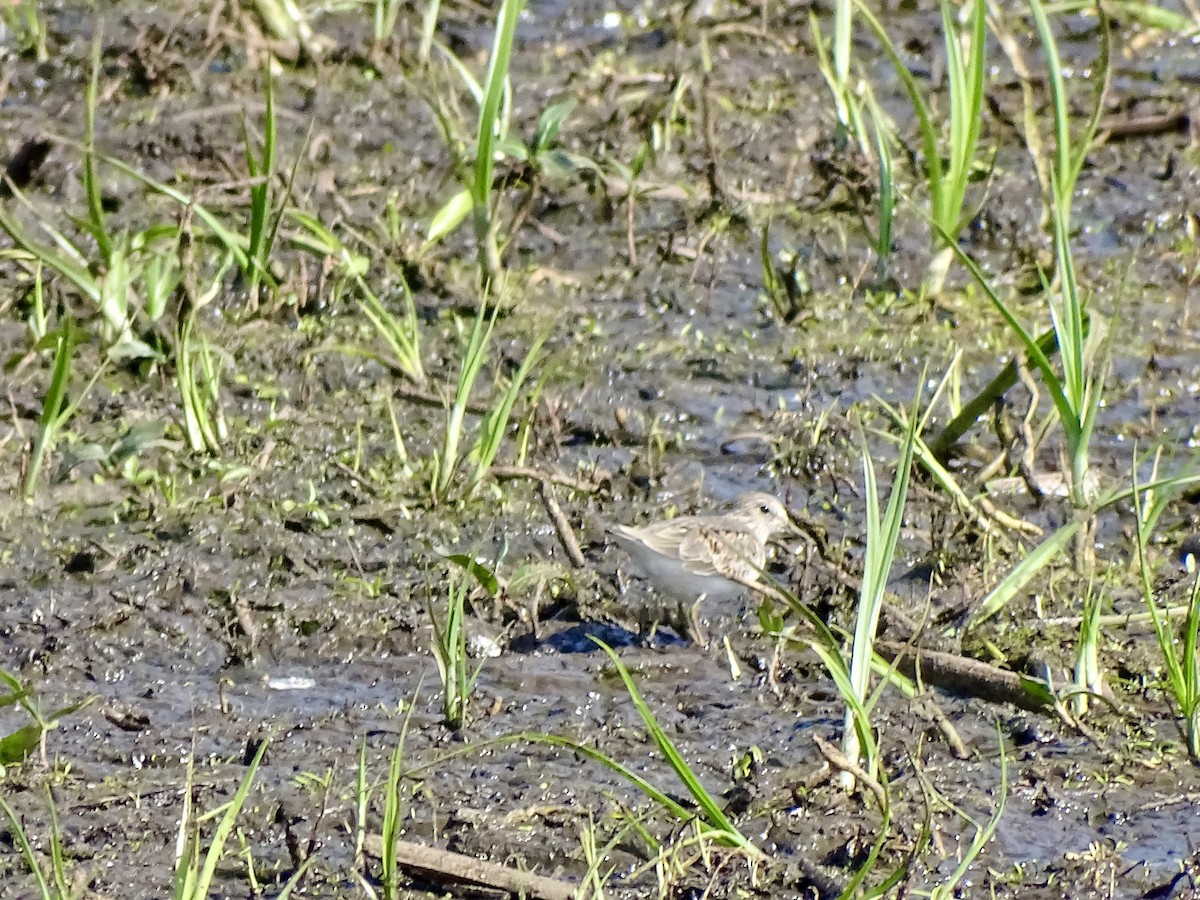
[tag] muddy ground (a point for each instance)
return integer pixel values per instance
(281, 589)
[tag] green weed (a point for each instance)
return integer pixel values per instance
(57, 410)
(950, 165)
(882, 537)
(455, 670)
(52, 880)
(1179, 651)
(490, 431)
(195, 867)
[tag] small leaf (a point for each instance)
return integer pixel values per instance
(549, 123)
(450, 216)
(486, 577)
(18, 745)
(1037, 690)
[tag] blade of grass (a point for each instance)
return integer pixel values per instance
(1023, 572)
(491, 432)
(21, 838)
(714, 815)
(474, 354)
(882, 537)
(489, 121)
(226, 825)
(91, 180)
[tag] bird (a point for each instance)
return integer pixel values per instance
(691, 559)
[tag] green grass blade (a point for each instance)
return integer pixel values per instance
(261, 169)
(671, 806)
(491, 433)
(713, 813)
(1033, 348)
(22, 840)
(883, 533)
(472, 362)
(225, 827)
(1030, 565)
(967, 82)
(982, 835)
(929, 135)
(58, 865)
(491, 126)
(91, 181)
(50, 420)
(234, 243)
(70, 268)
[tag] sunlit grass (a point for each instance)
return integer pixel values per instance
(883, 534)
(18, 745)
(1077, 391)
(1180, 650)
(541, 160)
(264, 219)
(393, 807)
(52, 879)
(196, 865)
(834, 61)
(400, 334)
(455, 670)
(1081, 387)
(198, 369)
(490, 431)
(950, 163)
(493, 97)
(716, 825)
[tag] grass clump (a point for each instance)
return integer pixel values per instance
(196, 866)
(489, 433)
(1179, 648)
(455, 670)
(952, 163)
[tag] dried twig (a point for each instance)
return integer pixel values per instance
(566, 534)
(559, 478)
(443, 865)
(839, 760)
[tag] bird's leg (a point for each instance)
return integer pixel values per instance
(695, 628)
(674, 615)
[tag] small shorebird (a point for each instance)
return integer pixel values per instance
(713, 557)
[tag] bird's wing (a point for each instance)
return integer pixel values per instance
(731, 552)
(706, 545)
(663, 538)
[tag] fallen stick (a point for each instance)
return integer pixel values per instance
(443, 865)
(967, 676)
(566, 534)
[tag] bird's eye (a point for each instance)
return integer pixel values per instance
(765, 509)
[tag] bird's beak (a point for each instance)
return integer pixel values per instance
(784, 532)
